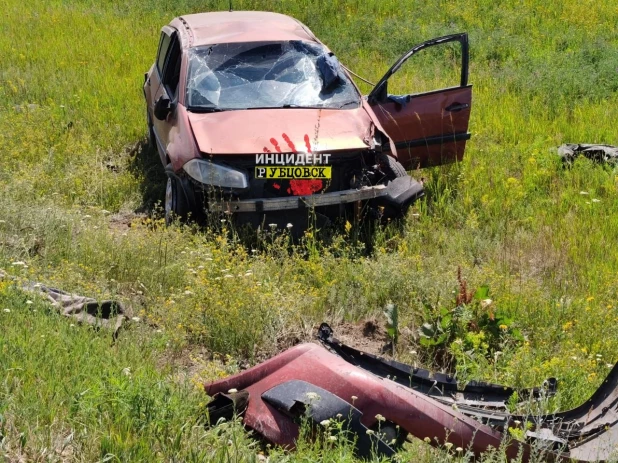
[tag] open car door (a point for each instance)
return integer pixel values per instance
(428, 128)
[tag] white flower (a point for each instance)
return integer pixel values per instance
(289, 226)
(227, 275)
(232, 391)
(29, 302)
(126, 371)
(584, 193)
(370, 431)
(486, 303)
(354, 398)
(87, 216)
(517, 422)
(272, 225)
(7, 310)
(201, 267)
(595, 200)
(332, 438)
(380, 417)
(187, 292)
(459, 449)
(135, 319)
(72, 325)
(448, 445)
(312, 396)
(609, 365)
(427, 440)
(413, 352)
(325, 423)
(19, 262)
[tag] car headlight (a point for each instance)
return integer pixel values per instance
(209, 173)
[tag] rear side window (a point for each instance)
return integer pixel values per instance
(164, 44)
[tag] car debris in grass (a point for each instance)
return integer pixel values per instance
(381, 402)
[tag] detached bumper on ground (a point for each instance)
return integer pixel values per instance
(379, 413)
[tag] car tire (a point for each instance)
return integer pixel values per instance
(391, 168)
(176, 204)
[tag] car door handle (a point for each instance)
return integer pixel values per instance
(457, 107)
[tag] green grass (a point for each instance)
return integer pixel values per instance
(542, 237)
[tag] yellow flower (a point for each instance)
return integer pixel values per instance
(503, 327)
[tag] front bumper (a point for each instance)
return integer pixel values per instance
(398, 194)
(300, 202)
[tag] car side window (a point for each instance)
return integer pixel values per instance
(164, 45)
(171, 74)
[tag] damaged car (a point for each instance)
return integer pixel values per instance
(253, 116)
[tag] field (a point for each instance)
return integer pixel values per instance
(79, 211)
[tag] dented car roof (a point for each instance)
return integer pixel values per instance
(243, 26)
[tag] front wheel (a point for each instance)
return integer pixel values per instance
(176, 205)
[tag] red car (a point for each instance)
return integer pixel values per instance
(252, 115)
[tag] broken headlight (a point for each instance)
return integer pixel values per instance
(209, 173)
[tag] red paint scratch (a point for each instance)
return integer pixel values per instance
(307, 143)
(289, 142)
(275, 144)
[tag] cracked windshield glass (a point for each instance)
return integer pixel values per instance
(267, 75)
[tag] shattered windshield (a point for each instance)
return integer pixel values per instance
(267, 75)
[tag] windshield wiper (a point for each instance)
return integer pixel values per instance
(347, 103)
(204, 109)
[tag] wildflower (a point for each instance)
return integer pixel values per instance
(126, 371)
(325, 423)
(584, 193)
(427, 440)
(595, 200)
(448, 445)
(380, 417)
(459, 449)
(289, 226)
(232, 391)
(72, 325)
(590, 299)
(29, 302)
(517, 422)
(312, 396)
(370, 431)
(18, 263)
(413, 352)
(7, 310)
(339, 415)
(354, 398)
(486, 303)
(503, 327)
(609, 365)
(272, 225)
(135, 319)
(227, 275)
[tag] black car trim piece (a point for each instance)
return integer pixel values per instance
(436, 140)
(297, 397)
(434, 384)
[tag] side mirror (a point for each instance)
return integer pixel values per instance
(162, 107)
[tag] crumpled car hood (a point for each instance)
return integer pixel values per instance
(283, 130)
